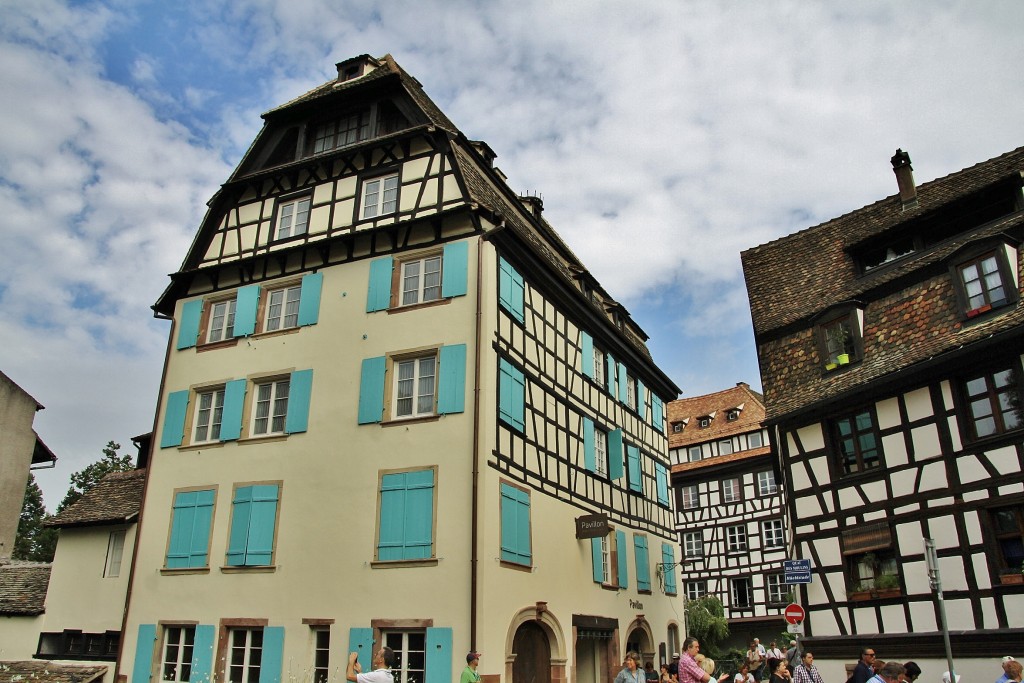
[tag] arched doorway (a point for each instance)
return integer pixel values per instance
(532, 652)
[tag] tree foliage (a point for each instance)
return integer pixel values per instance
(87, 477)
(34, 541)
(705, 620)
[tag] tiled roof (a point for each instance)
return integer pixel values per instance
(911, 313)
(23, 588)
(691, 409)
(115, 498)
(718, 460)
(49, 672)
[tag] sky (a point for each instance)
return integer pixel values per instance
(663, 137)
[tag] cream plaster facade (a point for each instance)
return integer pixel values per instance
(17, 411)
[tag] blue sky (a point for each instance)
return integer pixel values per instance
(664, 137)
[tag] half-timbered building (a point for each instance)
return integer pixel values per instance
(890, 344)
(391, 393)
(729, 509)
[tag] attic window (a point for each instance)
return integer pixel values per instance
(732, 415)
(677, 427)
(705, 422)
(347, 73)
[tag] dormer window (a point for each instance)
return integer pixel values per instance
(839, 337)
(985, 278)
(732, 415)
(677, 427)
(705, 422)
(342, 132)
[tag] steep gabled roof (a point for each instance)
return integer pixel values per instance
(751, 414)
(50, 672)
(23, 588)
(115, 499)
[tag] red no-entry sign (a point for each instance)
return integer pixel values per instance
(794, 613)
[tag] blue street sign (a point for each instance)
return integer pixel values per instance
(797, 571)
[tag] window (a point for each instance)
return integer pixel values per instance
(270, 408)
(599, 362)
(191, 517)
(115, 550)
(414, 387)
(773, 533)
(609, 554)
(282, 307)
(732, 415)
(993, 402)
(690, 497)
(209, 414)
(406, 520)
(696, 589)
(631, 392)
(421, 280)
(512, 395)
(839, 338)
(512, 293)
(176, 661)
(705, 422)
(677, 427)
(253, 523)
(380, 196)
(246, 645)
(736, 538)
(693, 544)
(742, 593)
(778, 590)
(766, 483)
(693, 453)
(76, 645)
(292, 218)
(606, 558)
(410, 648)
(755, 440)
(515, 525)
(871, 557)
(858, 443)
(725, 447)
(984, 284)
(1008, 524)
(222, 321)
(600, 452)
(321, 654)
(731, 490)
(342, 132)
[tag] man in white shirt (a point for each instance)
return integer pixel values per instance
(383, 660)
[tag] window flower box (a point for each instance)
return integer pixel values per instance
(1011, 578)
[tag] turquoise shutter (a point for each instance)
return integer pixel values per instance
(360, 640)
(234, 402)
(515, 525)
(623, 386)
(623, 564)
(668, 564)
(610, 378)
(202, 654)
(636, 481)
(273, 654)
(371, 390)
(589, 452)
(248, 302)
(595, 555)
(439, 655)
(241, 511)
(512, 395)
(587, 349)
(511, 290)
(309, 299)
(615, 469)
(259, 549)
(378, 296)
(188, 333)
(451, 384)
(641, 399)
(144, 645)
(406, 516)
(174, 419)
(661, 477)
(455, 269)
(657, 418)
(190, 529)
(300, 385)
(643, 564)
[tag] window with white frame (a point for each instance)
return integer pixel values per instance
(631, 391)
(246, 646)
(732, 415)
(415, 384)
(773, 533)
(115, 551)
(270, 407)
(742, 593)
(176, 660)
(222, 321)
(736, 538)
(766, 483)
(283, 308)
(209, 413)
(778, 590)
(705, 422)
(607, 567)
(292, 218)
(321, 654)
(693, 544)
(380, 196)
(690, 497)
(731, 490)
(696, 589)
(421, 280)
(342, 132)
(693, 453)
(410, 648)
(725, 447)
(600, 452)
(599, 367)
(677, 427)
(755, 440)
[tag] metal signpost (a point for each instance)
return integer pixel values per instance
(936, 581)
(796, 572)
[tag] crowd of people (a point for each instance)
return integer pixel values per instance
(772, 664)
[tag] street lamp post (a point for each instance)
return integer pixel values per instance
(936, 583)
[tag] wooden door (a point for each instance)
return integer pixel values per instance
(533, 655)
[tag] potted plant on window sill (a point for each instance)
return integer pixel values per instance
(887, 586)
(843, 359)
(1011, 577)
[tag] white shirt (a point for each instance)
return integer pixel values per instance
(376, 676)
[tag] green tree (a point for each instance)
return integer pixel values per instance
(705, 620)
(34, 541)
(87, 477)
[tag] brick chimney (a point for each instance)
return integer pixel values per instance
(904, 179)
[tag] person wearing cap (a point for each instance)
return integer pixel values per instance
(469, 674)
(383, 660)
(673, 668)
